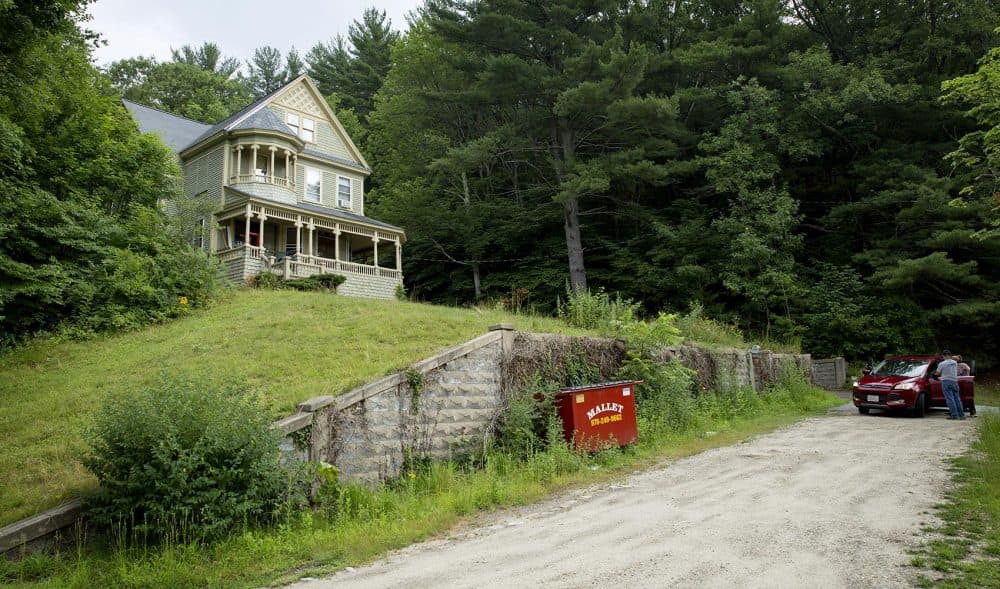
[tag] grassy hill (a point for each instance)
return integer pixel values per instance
(290, 346)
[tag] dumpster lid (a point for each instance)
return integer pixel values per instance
(602, 385)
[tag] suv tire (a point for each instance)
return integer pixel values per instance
(920, 407)
(864, 410)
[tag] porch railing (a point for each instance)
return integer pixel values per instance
(303, 265)
(263, 179)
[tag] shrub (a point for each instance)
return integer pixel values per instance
(184, 460)
(596, 310)
(268, 281)
(664, 401)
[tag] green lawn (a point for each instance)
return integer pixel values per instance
(289, 345)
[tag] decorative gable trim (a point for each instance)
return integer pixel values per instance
(351, 147)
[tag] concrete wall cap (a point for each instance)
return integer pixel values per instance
(315, 403)
(293, 423)
(502, 327)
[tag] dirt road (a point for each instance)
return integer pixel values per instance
(830, 502)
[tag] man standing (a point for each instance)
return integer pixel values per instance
(947, 370)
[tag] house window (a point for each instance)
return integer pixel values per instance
(199, 237)
(303, 127)
(343, 192)
(308, 130)
(314, 184)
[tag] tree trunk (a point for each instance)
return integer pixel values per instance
(475, 280)
(574, 245)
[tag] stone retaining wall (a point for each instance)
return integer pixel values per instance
(444, 405)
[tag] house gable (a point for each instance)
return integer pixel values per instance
(301, 97)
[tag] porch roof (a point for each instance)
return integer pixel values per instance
(310, 209)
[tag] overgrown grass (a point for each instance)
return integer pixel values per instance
(712, 334)
(288, 345)
(965, 551)
(410, 509)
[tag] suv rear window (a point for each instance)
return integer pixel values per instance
(895, 367)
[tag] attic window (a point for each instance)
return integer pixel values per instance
(308, 130)
(293, 122)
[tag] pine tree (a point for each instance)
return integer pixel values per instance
(265, 72)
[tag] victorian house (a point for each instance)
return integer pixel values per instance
(286, 187)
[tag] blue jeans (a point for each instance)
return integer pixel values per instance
(952, 398)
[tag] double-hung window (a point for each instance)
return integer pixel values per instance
(343, 192)
(308, 130)
(304, 128)
(314, 184)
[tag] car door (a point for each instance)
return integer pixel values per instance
(934, 384)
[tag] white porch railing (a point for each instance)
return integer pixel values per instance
(330, 265)
(262, 179)
(303, 265)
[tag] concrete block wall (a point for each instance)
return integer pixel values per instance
(452, 406)
(729, 368)
(372, 287)
(830, 373)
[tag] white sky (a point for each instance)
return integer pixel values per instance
(149, 27)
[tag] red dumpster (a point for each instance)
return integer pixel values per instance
(598, 415)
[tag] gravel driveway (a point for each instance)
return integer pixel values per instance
(833, 501)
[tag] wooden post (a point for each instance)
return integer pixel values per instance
(336, 242)
(270, 169)
(239, 162)
(375, 249)
(253, 162)
(399, 255)
(246, 234)
(298, 234)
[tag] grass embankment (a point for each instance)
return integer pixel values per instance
(965, 551)
(369, 523)
(289, 345)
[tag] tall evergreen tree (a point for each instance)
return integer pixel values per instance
(354, 69)
(207, 57)
(570, 86)
(265, 73)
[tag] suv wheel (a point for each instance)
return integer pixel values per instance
(920, 407)
(972, 408)
(864, 410)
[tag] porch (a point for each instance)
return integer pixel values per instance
(253, 237)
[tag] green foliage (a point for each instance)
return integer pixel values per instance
(83, 244)
(665, 400)
(318, 283)
(185, 459)
(964, 547)
(597, 310)
(355, 69)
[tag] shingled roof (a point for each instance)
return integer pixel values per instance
(177, 132)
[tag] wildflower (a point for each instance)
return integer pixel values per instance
(183, 301)
(413, 475)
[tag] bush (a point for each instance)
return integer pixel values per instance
(597, 310)
(317, 283)
(664, 401)
(185, 460)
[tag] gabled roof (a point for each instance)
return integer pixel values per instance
(177, 132)
(183, 135)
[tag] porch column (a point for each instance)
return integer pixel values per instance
(311, 227)
(246, 234)
(291, 173)
(399, 256)
(336, 242)
(375, 249)
(298, 234)
(239, 161)
(270, 170)
(253, 162)
(288, 174)
(263, 218)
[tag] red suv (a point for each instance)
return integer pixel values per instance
(908, 382)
